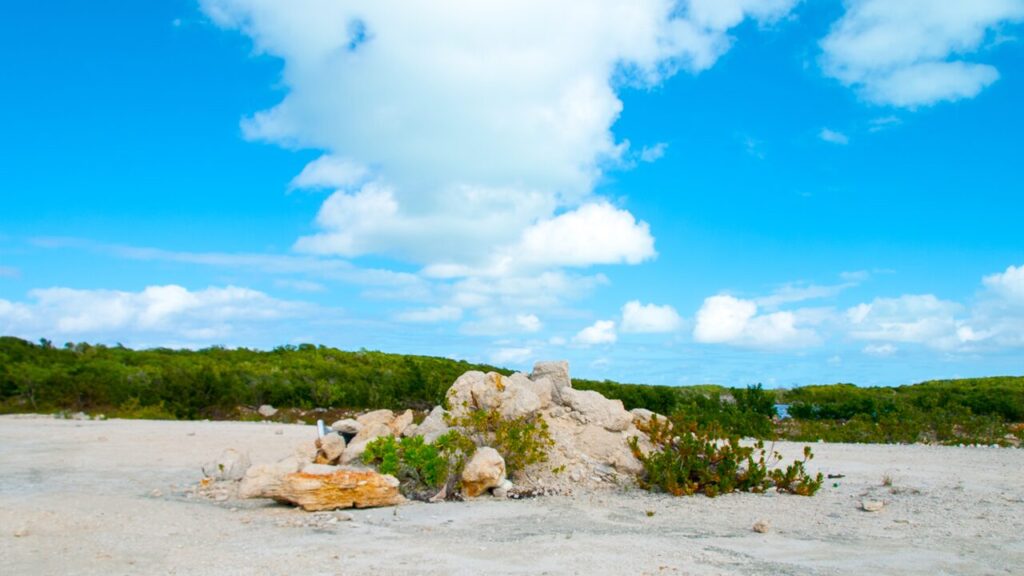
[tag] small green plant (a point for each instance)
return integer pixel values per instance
(521, 441)
(689, 460)
(421, 468)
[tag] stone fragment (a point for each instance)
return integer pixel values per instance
(410, 431)
(502, 490)
(266, 410)
(357, 446)
(331, 446)
(400, 423)
(376, 417)
(434, 425)
(872, 505)
(347, 426)
(339, 489)
(230, 465)
(762, 526)
(596, 409)
(485, 470)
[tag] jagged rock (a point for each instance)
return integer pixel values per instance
(557, 372)
(485, 470)
(433, 425)
(358, 444)
(339, 489)
(642, 415)
(400, 423)
(347, 426)
(230, 465)
(410, 430)
(376, 417)
(263, 478)
(542, 387)
(331, 446)
(512, 396)
(596, 409)
(267, 410)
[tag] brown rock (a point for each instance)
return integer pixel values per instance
(484, 471)
(341, 489)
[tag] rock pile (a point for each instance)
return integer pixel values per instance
(590, 449)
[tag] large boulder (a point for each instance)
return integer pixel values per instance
(596, 409)
(512, 396)
(434, 425)
(376, 417)
(556, 373)
(334, 490)
(485, 470)
(355, 448)
(230, 465)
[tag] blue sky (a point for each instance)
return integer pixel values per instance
(667, 192)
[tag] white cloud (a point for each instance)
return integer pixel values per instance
(529, 322)
(649, 318)
(330, 172)
(504, 356)
(917, 318)
(881, 350)
(9, 272)
(1008, 284)
(724, 319)
(909, 53)
(431, 315)
(166, 311)
(833, 136)
(475, 127)
(653, 153)
(600, 332)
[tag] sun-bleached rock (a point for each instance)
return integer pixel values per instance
(485, 470)
(262, 478)
(512, 396)
(338, 489)
(230, 465)
(354, 450)
(266, 410)
(400, 423)
(347, 426)
(434, 425)
(596, 409)
(376, 417)
(557, 372)
(331, 447)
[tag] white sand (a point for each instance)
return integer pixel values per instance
(78, 498)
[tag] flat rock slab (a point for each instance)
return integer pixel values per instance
(341, 489)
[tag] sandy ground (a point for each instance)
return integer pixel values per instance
(112, 497)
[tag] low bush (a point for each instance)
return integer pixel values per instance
(521, 441)
(689, 459)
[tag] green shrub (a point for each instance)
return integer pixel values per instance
(422, 469)
(521, 441)
(689, 459)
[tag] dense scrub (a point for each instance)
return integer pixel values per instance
(217, 382)
(214, 382)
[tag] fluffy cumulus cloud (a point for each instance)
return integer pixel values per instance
(649, 318)
(600, 332)
(451, 127)
(913, 52)
(922, 319)
(168, 311)
(725, 319)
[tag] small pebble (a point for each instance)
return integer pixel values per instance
(762, 526)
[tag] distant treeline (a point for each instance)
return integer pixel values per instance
(217, 382)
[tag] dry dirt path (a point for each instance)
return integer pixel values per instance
(110, 497)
